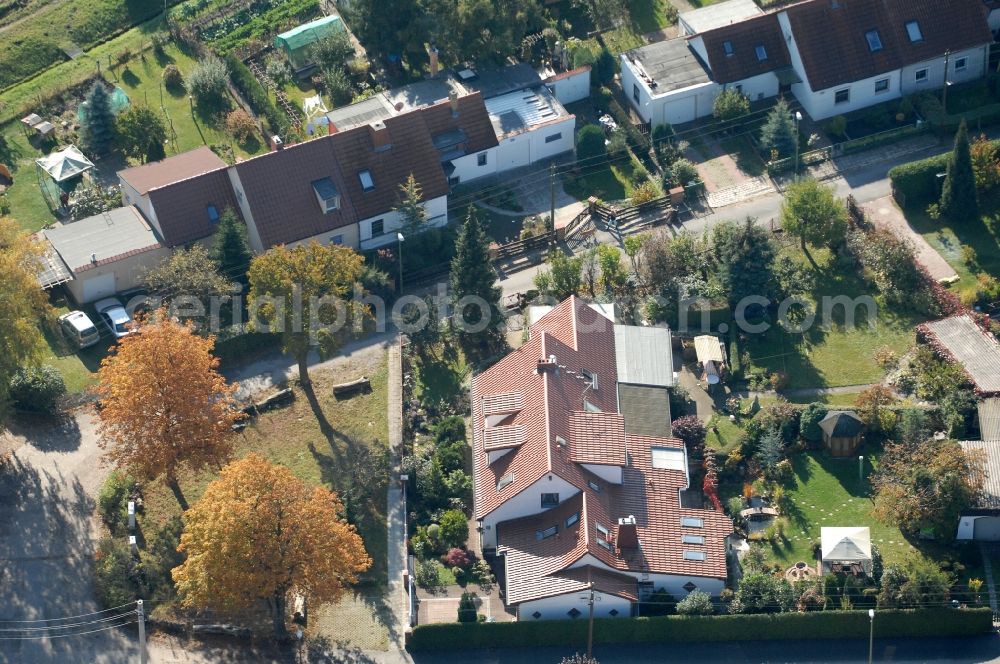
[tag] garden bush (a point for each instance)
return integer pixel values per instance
(240, 124)
(454, 528)
(37, 389)
(112, 502)
(918, 181)
(467, 608)
(834, 625)
(207, 81)
(590, 146)
(697, 603)
(172, 77)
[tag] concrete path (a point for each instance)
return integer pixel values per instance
(815, 391)
(885, 214)
(397, 595)
(985, 550)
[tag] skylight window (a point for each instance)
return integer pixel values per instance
(213, 213)
(727, 46)
(761, 52)
(367, 183)
(602, 530)
(667, 458)
(594, 485)
(913, 30)
(546, 533)
(693, 539)
(505, 481)
(572, 519)
(692, 522)
(694, 555)
(874, 41)
(603, 542)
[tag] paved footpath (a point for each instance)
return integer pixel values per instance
(885, 214)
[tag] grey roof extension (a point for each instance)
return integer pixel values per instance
(990, 449)
(103, 237)
(644, 356)
(976, 350)
(646, 410)
(671, 64)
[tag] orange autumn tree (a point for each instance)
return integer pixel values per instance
(259, 533)
(164, 403)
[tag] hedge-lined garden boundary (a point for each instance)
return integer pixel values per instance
(757, 627)
(917, 183)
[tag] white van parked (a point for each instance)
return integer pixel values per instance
(79, 329)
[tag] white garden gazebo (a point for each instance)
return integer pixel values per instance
(847, 550)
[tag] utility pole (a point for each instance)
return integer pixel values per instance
(590, 625)
(142, 631)
(552, 195)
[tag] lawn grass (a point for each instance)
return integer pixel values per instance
(606, 184)
(192, 127)
(948, 239)
(27, 204)
(21, 98)
(722, 434)
(828, 492)
(649, 15)
(832, 354)
(440, 376)
(291, 437)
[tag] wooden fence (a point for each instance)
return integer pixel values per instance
(522, 247)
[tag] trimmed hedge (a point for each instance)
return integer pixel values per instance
(773, 626)
(917, 181)
(255, 95)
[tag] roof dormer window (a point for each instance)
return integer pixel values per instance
(913, 31)
(874, 40)
(367, 183)
(327, 195)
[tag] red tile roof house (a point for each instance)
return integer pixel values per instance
(577, 480)
(340, 188)
(834, 56)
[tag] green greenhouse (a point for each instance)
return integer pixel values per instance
(296, 42)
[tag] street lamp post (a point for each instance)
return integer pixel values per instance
(871, 633)
(798, 119)
(399, 252)
(861, 468)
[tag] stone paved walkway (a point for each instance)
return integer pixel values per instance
(396, 507)
(740, 192)
(884, 213)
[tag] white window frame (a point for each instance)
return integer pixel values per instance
(885, 89)
(760, 52)
(337, 239)
(913, 30)
(836, 94)
(920, 76)
(964, 61)
(370, 184)
(481, 159)
(371, 228)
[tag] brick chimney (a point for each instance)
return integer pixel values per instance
(432, 53)
(453, 98)
(628, 538)
(380, 136)
(546, 364)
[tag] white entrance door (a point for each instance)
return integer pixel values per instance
(98, 287)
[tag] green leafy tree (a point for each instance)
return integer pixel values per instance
(412, 213)
(812, 415)
(959, 199)
(759, 592)
(97, 131)
(332, 51)
(812, 213)
(231, 248)
(188, 273)
(691, 431)
(890, 261)
(308, 293)
(475, 295)
(605, 67)
(563, 276)
(338, 86)
(917, 583)
(730, 104)
(614, 278)
(454, 528)
(771, 449)
(778, 133)
(140, 133)
(590, 146)
(744, 255)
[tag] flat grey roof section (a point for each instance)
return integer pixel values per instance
(671, 65)
(422, 93)
(977, 352)
(646, 410)
(644, 355)
(496, 82)
(108, 235)
(990, 498)
(989, 419)
(364, 112)
(720, 14)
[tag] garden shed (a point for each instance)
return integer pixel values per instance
(296, 42)
(843, 432)
(847, 550)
